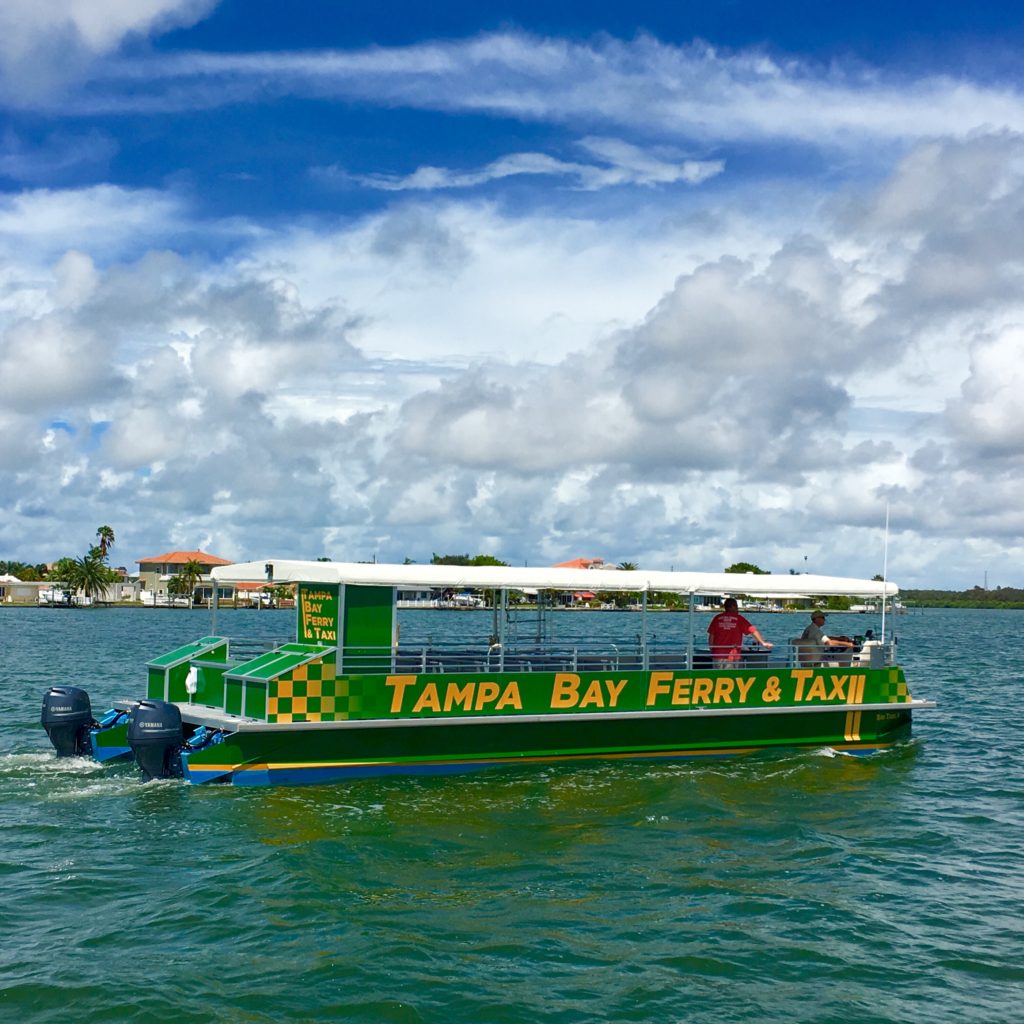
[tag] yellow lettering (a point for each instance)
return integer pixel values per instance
(429, 698)
(723, 690)
(594, 695)
(702, 687)
(399, 683)
(566, 690)
(614, 689)
(459, 696)
(744, 686)
(838, 683)
(486, 693)
(657, 687)
(817, 690)
(801, 675)
(681, 690)
(510, 697)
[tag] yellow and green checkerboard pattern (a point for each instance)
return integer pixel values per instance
(894, 689)
(313, 693)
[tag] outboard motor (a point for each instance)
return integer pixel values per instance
(67, 718)
(155, 735)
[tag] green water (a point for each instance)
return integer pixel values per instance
(803, 887)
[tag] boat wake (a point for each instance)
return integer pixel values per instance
(106, 786)
(49, 763)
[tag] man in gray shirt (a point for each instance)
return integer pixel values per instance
(813, 640)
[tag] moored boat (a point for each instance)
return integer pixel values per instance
(346, 698)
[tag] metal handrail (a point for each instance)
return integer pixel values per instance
(556, 656)
(245, 648)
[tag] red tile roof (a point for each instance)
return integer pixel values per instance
(580, 563)
(181, 557)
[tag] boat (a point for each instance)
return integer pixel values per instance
(346, 698)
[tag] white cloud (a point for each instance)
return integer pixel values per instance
(452, 282)
(21, 441)
(44, 47)
(40, 225)
(986, 416)
(52, 364)
(631, 164)
(693, 92)
(75, 279)
(623, 164)
(445, 376)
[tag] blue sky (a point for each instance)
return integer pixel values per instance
(675, 284)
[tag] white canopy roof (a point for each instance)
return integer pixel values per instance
(486, 577)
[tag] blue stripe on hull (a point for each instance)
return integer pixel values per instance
(296, 775)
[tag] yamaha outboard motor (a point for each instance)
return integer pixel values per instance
(67, 718)
(156, 736)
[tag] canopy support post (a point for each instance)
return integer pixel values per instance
(502, 617)
(689, 646)
(643, 632)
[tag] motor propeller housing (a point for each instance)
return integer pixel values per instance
(156, 736)
(67, 719)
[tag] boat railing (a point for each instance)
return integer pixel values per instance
(576, 655)
(533, 656)
(245, 648)
(864, 654)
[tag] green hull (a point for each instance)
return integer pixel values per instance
(409, 727)
(110, 743)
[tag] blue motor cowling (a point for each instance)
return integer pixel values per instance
(155, 735)
(67, 718)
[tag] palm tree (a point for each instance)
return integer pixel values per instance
(632, 596)
(106, 540)
(175, 588)
(22, 570)
(91, 576)
(190, 574)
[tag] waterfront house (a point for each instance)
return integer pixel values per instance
(580, 598)
(7, 587)
(156, 572)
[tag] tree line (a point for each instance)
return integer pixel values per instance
(976, 597)
(89, 575)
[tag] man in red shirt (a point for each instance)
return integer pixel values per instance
(726, 632)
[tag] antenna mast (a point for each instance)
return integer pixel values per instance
(885, 567)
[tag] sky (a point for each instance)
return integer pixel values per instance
(676, 284)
